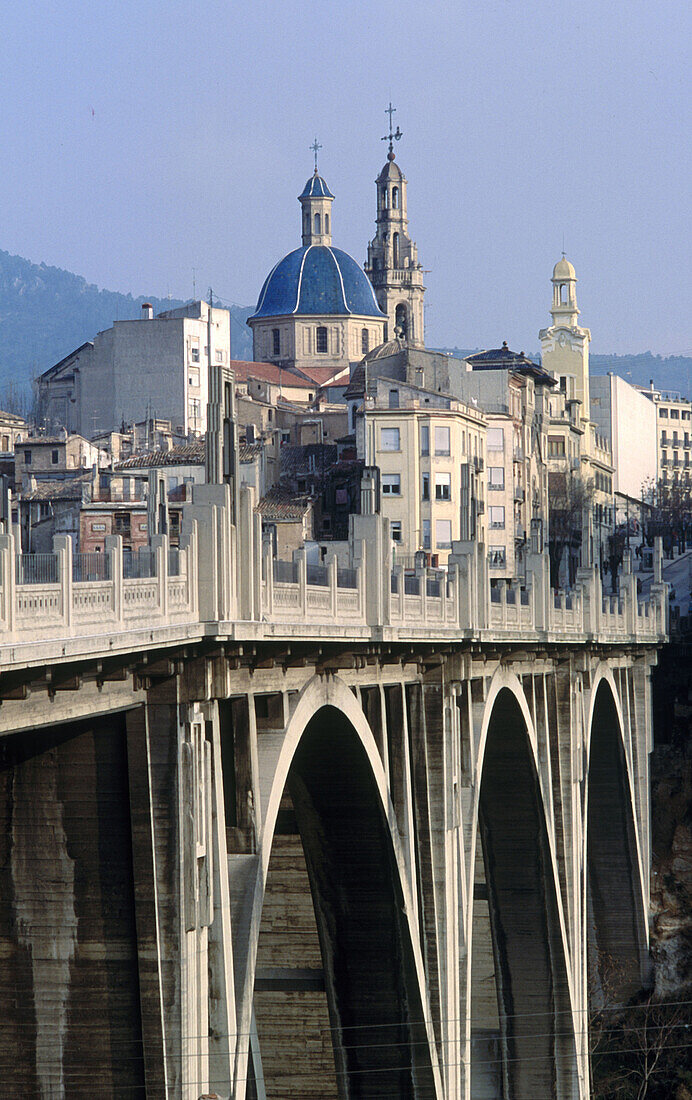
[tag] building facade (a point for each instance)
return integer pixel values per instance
(625, 417)
(674, 434)
(150, 367)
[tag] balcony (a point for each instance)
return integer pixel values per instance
(519, 494)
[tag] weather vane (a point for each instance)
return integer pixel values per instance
(315, 148)
(393, 135)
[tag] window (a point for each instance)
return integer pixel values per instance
(98, 527)
(424, 439)
(364, 341)
(496, 477)
(674, 414)
(193, 379)
(426, 486)
(556, 446)
(443, 534)
(394, 399)
(391, 485)
(496, 439)
(194, 352)
(395, 243)
(441, 440)
(326, 223)
(426, 534)
(219, 355)
(498, 557)
(443, 486)
(318, 224)
(321, 345)
(664, 439)
(497, 517)
(27, 458)
(663, 412)
(276, 341)
(390, 439)
(395, 530)
(685, 415)
(395, 198)
(195, 409)
(54, 457)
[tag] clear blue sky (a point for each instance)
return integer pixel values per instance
(141, 140)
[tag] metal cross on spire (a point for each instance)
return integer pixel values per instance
(393, 135)
(315, 148)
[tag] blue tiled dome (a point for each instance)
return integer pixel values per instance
(317, 279)
(316, 188)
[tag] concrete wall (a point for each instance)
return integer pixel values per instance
(628, 419)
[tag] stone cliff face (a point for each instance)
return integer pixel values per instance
(671, 811)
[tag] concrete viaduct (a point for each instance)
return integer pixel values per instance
(277, 830)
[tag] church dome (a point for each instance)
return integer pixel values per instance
(563, 270)
(317, 279)
(315, 188)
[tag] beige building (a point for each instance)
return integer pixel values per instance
(674, 434)
(625, 417)
(43, 458)
(317, 306)
(430, 451)
(13, 428)
(150, 367)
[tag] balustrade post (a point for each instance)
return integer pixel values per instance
(62, 548)
(332, 580)
(300, 558)
(659, 589)
(114, 550)
(7, 579)
(538, 569)
(422, 575)
(188, 547)
(268, 567)
(159, 549)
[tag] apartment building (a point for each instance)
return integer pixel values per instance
(674, 435)
(151, 366)
(430, 451)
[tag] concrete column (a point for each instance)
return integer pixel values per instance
(7, 581)
(331, 573)
(159, 548)
(299, 557)
(62, 548)
(114, 549)
(268, 566)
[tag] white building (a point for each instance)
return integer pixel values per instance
(674, 431)
(154, 366)
(627, 419)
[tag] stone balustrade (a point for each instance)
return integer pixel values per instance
(228, 583)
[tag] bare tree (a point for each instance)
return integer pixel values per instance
(669, 513)
(571, 497)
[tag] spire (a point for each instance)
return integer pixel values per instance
(316, 200)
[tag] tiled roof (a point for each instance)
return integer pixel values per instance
(317, 280)
(505, 359)
(191, 454)
(269, 372)
(356, 387)
(54, 489)
(248, 451)
(312, 458)
(280, 504)
(325, 376)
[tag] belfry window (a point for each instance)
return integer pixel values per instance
(276, 341)
(318, 224)
(321, 343)
(326, 223)
(395, 243)
(563, 294)
(365, 341)
(395, 198)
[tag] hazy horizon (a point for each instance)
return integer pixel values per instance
(142, 144)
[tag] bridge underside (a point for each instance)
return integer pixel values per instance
(253, 872)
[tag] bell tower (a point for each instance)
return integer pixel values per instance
(565, 344)
(392, 264)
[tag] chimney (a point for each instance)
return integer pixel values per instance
(147, 311)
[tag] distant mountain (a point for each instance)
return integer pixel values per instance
(672, 372)
(46, 312)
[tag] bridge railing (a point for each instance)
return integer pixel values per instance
(224, 572)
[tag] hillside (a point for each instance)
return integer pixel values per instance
(45, 312)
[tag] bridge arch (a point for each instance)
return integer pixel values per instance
(535, 1052)
(328, 767)
(615, 883)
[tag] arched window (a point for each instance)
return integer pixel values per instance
(318, 224)
(365, 341)
(321, 344)
(375, 264)
(563, 294)
(395, 242)
(326, 223)
(395, 197)
(306, 222)
(401, 320)
(384, 198)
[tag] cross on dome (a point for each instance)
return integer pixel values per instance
(393, 135)
(315, 148)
